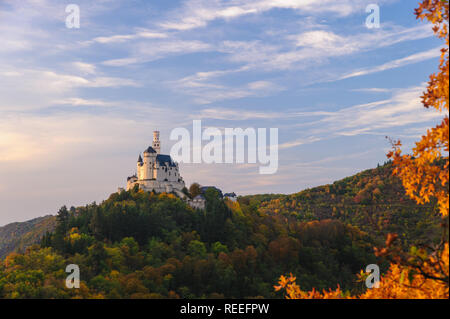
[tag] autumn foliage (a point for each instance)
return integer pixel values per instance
(425, 173)
(423, 273)
(398, 283)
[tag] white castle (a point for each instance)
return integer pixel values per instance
(157, 172)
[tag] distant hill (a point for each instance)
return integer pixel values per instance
(373, 200)
(18, 236)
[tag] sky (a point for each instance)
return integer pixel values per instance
(78, 105)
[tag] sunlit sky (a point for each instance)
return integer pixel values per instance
(77, 106)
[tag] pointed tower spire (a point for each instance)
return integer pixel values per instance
(140, 159)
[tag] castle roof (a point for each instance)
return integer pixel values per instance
(150, 150)
(199, 197)
(132, 177)
(140, 159)
(230, 194)
(165, 160)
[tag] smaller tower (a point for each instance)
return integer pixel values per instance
(156, 142)
(139, 165)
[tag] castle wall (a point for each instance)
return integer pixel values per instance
(159, 187)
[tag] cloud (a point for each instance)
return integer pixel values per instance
(296, 51)
(37, 88)
(198, 13)
(372, 90)
(411, 59)
(400, 110)
(149, 51)
(316, 47)
(120, 38)
(76, 101)
(379, 117)
(231, 114)
(85, 68)
(206, 93)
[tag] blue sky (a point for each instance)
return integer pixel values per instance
(78, 105)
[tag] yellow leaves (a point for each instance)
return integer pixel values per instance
(73, 235)
(166, 195)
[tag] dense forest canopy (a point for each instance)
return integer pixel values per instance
(137, 244)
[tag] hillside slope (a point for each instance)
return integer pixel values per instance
(144, 245)
(372, 200)
(18, 236)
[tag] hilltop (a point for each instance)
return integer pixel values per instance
(373, 200)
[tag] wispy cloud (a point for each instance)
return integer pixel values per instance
(85, 68)
(149, 51)
(198, 13)
(205, 93)
(402, 109)
(35, 88)
(372, 90)
(230, 114)
(316, 46)
(120, 38)
(411, 59)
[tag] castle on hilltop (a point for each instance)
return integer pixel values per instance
(157, 172)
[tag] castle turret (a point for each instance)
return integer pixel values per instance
(149, 161)
(140, 163)
(156, 143)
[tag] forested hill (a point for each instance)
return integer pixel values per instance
(18, 236)
(144, 245)
(373, 200)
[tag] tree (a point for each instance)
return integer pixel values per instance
(425, 177)
(425, 173)
(195, 190)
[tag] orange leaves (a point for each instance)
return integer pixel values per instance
(436, 12)
(293, 291)
(425, 177)
(437, 94)
(425, 174)
(400, 282)
(403, 283)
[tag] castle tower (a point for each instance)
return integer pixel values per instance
(149, 161)
(140, 163)
(156, 142)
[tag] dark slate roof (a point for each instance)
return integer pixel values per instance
(140, 159)
(150, 150)
(199, 197)
(165, 160)
(230, 195)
